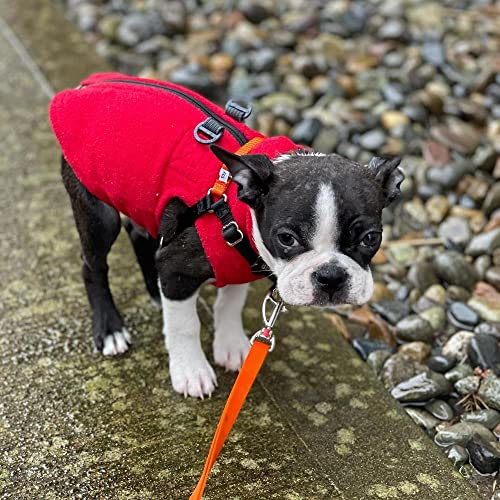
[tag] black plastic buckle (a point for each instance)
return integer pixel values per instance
(238, 111)
(232, 234)
(210, 128)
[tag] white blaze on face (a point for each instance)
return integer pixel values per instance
(295, 283)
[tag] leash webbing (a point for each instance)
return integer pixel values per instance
(239, 392)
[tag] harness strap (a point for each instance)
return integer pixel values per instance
(239, 392)
(230, 230)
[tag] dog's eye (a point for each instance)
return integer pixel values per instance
(287, 239)
(371, 239)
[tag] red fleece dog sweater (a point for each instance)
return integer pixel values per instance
(131, 144)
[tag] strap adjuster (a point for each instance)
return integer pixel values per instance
(230, 230)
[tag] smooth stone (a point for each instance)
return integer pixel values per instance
(458, 294)
(392, 29)
(435, 153)
(399, 368)
(489, 391)
(326, 140)
(421, 387)
(422, 418)
(440, 363)
(467, 385)
(460, 434)
(455, 229)
(436, 316)
(440, 409)
(138, 26)
(418, 351)
(488, 310)
(193, 76)
(391, 310)
(306, 130)
(492, 200)
(254, 11)
(366, 346)
(453, 269)
(422, 275)
(392, 119)
(484, 243)
(483, 351)
(484, 455)
(414, 328)
(415, 210)
(456, 346)
(437, 207)
(433, 53)
(373, 139)
(458, 455)
(492, 275)
(459, 372)
(457, 135)
(489, 418)
(393, 93)
(482, 264)
(377, 359)
(492, 329)
(462, 314)
(436, 293)
(402, 253)
(447, 176)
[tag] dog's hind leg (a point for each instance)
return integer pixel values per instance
(145, 247)
(98, 225)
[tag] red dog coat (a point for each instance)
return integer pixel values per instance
(131, 144)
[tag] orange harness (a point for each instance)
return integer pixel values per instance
(262, 343)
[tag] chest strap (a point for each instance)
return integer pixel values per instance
(231, 232)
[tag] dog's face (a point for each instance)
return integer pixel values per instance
(317, 220)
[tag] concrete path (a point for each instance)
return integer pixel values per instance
(76, 425)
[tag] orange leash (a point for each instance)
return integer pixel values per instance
(262, 343)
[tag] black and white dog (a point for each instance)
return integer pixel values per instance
(316, 223)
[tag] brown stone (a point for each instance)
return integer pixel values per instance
(435, 153)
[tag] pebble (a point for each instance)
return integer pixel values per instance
(484, 243)
(421, 387)
(492, 275)
(373, 139)
(392, 119)
(399, 368)
(364, 347)
(453, 269)
(377, 359)
(489, 391)
(414, 328)
(489, 418)
(391, 310)
(458, 455)
(458, 372)
(441, 364)
(422, 418)
(436, 293)
(467, 385)
(418, 351)
(437, 207)
(484, 455)
(492, 200)
(460, 434)
(436, 317)
(305, 131)
(456, 346)
(483, 351)
(462, 316)
(440, 409)
(455, 229)
(421, 275)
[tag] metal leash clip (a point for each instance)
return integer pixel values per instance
(265, 334)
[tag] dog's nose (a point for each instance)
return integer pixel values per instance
(330, 278)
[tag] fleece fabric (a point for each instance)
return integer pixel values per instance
(131, 145)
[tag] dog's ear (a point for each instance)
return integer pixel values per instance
(252, 173)
(388, 174)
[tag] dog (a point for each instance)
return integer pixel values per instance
(312, 221)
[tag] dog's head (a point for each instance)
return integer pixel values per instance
(316, 220)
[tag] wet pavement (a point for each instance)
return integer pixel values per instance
(76, 425)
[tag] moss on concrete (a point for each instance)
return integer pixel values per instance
(76, 425)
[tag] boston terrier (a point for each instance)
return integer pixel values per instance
(312, 220)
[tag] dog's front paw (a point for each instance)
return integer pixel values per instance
(116, 343)
(192, 375)
(230, 349)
